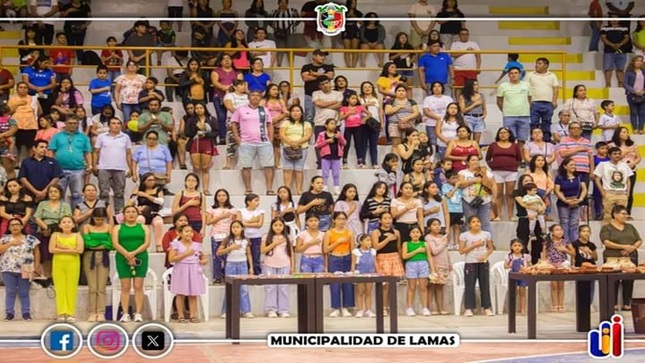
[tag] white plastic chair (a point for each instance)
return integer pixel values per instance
(149, 290)
(500, 286)
(168, 296)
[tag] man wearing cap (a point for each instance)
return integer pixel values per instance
(310, 74)
(252, 129)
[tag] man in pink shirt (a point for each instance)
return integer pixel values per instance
(252, 129)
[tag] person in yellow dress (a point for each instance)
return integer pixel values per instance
(66, 246)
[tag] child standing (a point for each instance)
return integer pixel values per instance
(330, 145)
(512, 62)
(149, 93)
(279, 260)
(239, 261)
(418, 263)
(608, 122)
(112, 59)
(165, 38)
(363, 263)
(253, 219)
(438, 244)
(187, 274)
(556, 251)
(66, 246)
(285, 209)
(516, 261)
(348, 202)
(441, 173)
(453, 194)
(220, 215)
(309, 243)
(390, 172)
(585, 250)
(535, 208)
(355, 115)
(477, 245)
(376, 203)
(602, 155)
(416, 177)
(338, 243)
(101, 90)
(46, 131)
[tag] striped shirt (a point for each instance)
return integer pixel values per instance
(285, 26)
(370, 205)
(582, 158)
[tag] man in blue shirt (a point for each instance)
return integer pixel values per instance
(41, 81)
(436, 66)
(73, 151)
(39, 172)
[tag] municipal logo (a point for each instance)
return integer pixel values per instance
(608, 340)
(330, 18)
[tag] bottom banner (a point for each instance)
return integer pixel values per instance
(363, 340)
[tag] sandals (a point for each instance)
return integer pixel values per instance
(247, 192)
(194, 320)
(182, 321)
(270, 192)
(555, 309)
(208, 193)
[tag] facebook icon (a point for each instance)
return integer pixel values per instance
(61, 340)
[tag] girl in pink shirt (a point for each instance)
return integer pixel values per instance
(221, 215)
(279, 260)
(47, 131)
(439, 248)
(309, 243)
(355, 116)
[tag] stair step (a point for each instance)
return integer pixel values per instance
(513, 10)
(576, 75)
(539, 41)
(14, 35)
(553, 57)
(528, 25)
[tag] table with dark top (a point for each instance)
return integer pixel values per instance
(378, 280)
(306, 297)
(583, 298)
(612, 278)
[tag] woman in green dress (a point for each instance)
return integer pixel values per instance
(131, 241)
(96, 261)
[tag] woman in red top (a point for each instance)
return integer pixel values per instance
(504, 157)
(178, 221)
(458, 150)
(191, 203)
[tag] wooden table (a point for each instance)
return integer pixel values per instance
(306, 297)
(583, 298)
(610, 296)
(378, 280)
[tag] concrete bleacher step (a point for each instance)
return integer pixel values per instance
(539, 41)
(518, 10)
(528, 25)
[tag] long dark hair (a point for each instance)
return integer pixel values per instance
(384, 72)
(230, 238)
(459, 116)
(285, 233)
(426, 195)
(100, 212)
(548, 241)
(375, 186)
(346, 187)
(397, 43)
(227, 203)
(615, 138)
(562, 170)
(142, 183)
(520, 181)
(532, 166)
(469, 89)
(72, 92)
(388, 157)
(278, 201)
(21, 193)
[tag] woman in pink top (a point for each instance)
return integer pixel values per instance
(355, 116)
(240, 57)
(309, 243)
(127, 88)
(279, 112)
(439, 248)
(67, 98)
(278, 260)
(220, 216)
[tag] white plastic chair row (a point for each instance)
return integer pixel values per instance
(168, 296)
(499, 280)
(149, 289)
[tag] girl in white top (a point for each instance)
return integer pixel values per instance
(309, 243)
(348, 202)
(370, 101)
(285, 209)
(477, 245)
(238, 254)
(253, 219)
(220, 216)
(406, 210)
(279, 260)
(446, 128)
(363, 262)
(434, 109)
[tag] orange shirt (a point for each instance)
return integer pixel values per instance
(344, 247)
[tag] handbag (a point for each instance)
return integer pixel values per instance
(160, 178)
(636, 99)
(294, 153)
(478, 200)
(373, 124)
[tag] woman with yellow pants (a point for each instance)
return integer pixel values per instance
(66, 246)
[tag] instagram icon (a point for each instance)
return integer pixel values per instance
(108, 341)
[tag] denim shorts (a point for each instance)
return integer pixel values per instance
(519, 125)
(297, 165)
(504, 176)
(476, 124)
(417, 270)
(611, 61)
(248, 152)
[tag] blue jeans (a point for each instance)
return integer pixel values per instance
(595, 38)
(14, 285)
(218, 261)
(483, 212)
(256, 244)
(570, 220)
(519, 125)
(310, 111)
(220, 111)
(314, 264)
(541, 115)
(325, 222)
(372, 144)
(636, 115)
(127, 109)
(372, 226)
(239, 268)
(343, 264)
(74, 179)
(541, 193)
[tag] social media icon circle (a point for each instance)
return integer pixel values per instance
(153, 341)
(108, 341)
(61, 341)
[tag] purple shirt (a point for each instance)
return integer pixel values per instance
(251, 129)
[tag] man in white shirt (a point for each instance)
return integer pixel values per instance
(612, 180)
(466, 64)
(420, 29)
(261, 41)
(44, 29)
(113, 155)
(544, 87)
(327, 102)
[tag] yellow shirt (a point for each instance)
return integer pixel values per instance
(388, 83)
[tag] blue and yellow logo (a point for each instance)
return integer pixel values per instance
(608, 340)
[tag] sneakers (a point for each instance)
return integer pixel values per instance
(125, 318)
(138, 318)
(468, 313)
(92, 318)
(272, 314)
(70, 319)
(346, 313)
(284, 315)
(426, 312)
(335, 313)
(9, 317)
(337, 190)
(26, 317)
(359, 314)
(410, 312)
(248, 315)
(370, 314)
(100, 318)
(223, 316)
(61, 318)
(489, 312)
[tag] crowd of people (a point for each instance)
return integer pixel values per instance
(439, 189)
